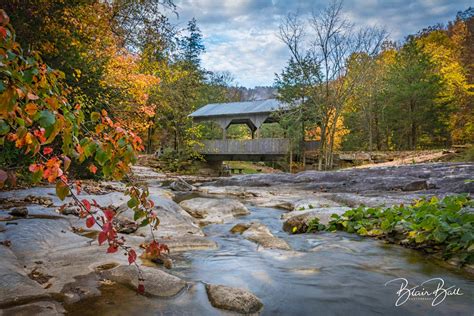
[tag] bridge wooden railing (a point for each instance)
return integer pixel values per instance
(261, 146)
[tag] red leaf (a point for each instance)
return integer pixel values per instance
(132, 256)
(102, 237)
(112, 249)
(34, 167)
(87, 205)
(3, 32)
(151, 203)
(109, 214)
(47, 150)
(141, 289)
(93, 168)
(90, 221)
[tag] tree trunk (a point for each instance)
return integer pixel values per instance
(303, 154)
(149, 141)
(377, 131)
(412, 126)
(322, 147)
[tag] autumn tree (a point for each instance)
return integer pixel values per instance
(365, 112)
(35, 113)
(333, 41)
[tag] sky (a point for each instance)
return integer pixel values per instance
(241, 36)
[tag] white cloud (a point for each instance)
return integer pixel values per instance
(241, 35)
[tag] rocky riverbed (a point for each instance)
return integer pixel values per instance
(230, 250)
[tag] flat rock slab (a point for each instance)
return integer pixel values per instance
(261, 235)
(43, 308)
(16, 286)
(214, 211)
(427, 178)
(157, 282)
(233, 299)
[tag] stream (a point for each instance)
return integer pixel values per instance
(324, 274)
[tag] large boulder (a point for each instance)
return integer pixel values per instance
(260, 234)
(157, 282)
(233, 299)
(213, 211)
(174, 221)
(181, 185)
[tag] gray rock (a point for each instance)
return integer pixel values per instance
(163, 260)
(239, 228)
(260, 234)
(174, 221)
(15, 285)
(19, 212)
(442, 178)
(233, 299)
(181, 185)
(157, 282)
(213, 211)
(416, 186)
(187, 243)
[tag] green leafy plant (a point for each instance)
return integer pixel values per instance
(433, 225)
(315, 226)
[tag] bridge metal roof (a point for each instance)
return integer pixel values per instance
(239, 108)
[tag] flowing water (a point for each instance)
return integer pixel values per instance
(324, 274)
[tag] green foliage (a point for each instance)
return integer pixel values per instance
(315, 226)
(445, 225)
(296, 86)
(184, 162)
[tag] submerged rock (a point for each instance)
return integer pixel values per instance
(239, 228)
(260, 234)
(233, 299)
(163, 260)
(213, 211)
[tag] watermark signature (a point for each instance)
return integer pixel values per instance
(433, 290)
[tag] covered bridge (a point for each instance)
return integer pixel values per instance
(251, 113)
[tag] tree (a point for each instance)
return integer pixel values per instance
(191, 45)
(365, 110)
(295, 87)
(412, 90)
(38, 119)
(335, 40)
